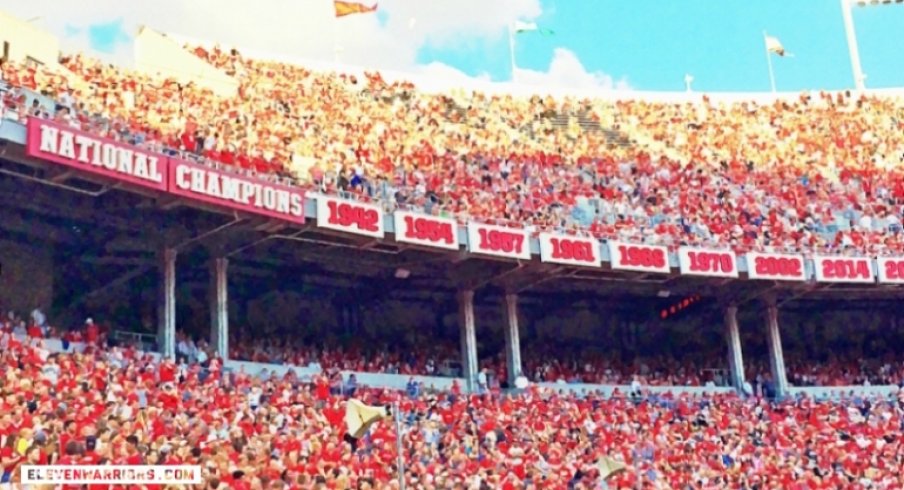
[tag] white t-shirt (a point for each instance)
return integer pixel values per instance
(254, 397)
(38, 317)
(635, 386)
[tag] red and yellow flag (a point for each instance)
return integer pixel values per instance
(349, 8)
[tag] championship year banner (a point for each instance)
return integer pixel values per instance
(639, 258)
(355, 217)
(891, 270)
(569, 250)
(777, 267)
(77, 149)
(498, 241)
(236, 191)
(843, 269)
(422, 229)
(707, 262)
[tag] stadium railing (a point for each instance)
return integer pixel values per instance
(844, 392)
(584, 389)
(144, 341)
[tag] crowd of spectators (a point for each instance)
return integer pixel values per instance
(442, 358)
(563, 365)
(848, 371)
(558, 364)
(567, 361)
(430, 360)
(817, 173)
(120, 406)
(540, 362)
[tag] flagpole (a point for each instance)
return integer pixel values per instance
(638, 483)
(769, 62)
(511, 34)
(853, 49)
(401, 457)
(336, 42)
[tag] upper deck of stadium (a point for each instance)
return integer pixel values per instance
(812, 173)
(694, 192)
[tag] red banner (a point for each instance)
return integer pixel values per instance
(236, 191)
(640, 258)
(891, 270)
(707, 262)
(421, 229)
(569, 250)
(67, 146)
(843, 269)
(777, 267)
(350, 216)
(498, 241)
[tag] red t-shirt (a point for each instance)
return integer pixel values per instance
(167, 373)
(323, 390)
(7, 453)
(91, 333)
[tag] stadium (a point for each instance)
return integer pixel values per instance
(323, 277)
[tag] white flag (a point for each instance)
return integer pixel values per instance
(519, 26)
(773, 45)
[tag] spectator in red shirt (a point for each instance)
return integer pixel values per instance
(9, 459)
(92, 332)
(35, 332)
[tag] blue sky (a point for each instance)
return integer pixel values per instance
(649, 44)
(654, 43)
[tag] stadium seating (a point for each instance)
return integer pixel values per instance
(550, 365)
(541, 363)
(119, 406)
(822, 173)
(561, 365)
(817, 174)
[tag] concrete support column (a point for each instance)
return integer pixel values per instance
(219, 307)
(776, 356)
(467, 327)
(512, 339)
(735, 356)
(166, 304)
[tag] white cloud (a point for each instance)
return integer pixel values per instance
(448, 73)
(567, 71)
(301, 28)
(307, 29)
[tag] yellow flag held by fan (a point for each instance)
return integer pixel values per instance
(360, 417)
(609, 466)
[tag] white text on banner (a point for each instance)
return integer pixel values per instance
(777, 267)
(499, 241)
(891, 270)
(422, 229)
(349, 216)
(641, 258)
(569, 250)
(843, 269)
(707, 262)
